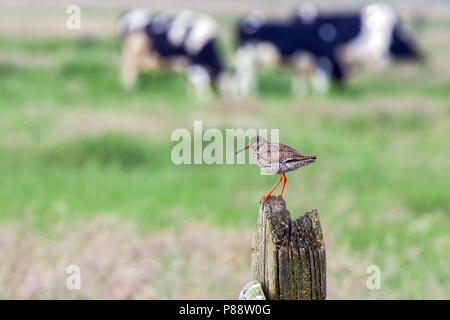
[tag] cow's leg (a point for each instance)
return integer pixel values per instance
(209, 60)
(136, 56)
(320, 81)
(135, 46)
(200, 80)
(328, 69)
(128, 69)
(245, 65)
(305, 65)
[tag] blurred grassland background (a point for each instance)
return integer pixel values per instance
(86, 176)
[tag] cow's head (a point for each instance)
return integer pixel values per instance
(403, 46)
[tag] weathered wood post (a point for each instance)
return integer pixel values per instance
(288, 256)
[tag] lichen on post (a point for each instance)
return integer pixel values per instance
(288, 256)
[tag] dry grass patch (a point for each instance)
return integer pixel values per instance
(119, 262)
(87, 122)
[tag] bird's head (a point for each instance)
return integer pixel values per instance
(255, 142)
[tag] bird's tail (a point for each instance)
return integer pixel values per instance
(304, 160)
(309, 159)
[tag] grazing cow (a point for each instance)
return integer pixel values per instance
(321, 46)
(177, 40)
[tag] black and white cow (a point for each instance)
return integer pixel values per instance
(322, 46)
(183, 40)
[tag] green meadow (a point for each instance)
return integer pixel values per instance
(74, 146)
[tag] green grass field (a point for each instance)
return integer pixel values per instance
(74, 147)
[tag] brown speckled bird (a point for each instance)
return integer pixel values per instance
(276, 158)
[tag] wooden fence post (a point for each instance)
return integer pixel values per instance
(288, 256)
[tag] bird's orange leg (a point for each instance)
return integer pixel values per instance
(284, 184)
(270, 192)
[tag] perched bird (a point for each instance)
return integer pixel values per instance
(276, 158)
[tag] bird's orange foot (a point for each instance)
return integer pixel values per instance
(264, 198)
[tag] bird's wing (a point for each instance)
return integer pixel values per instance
(288, 154)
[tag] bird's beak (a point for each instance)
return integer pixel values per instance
(244, 148)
